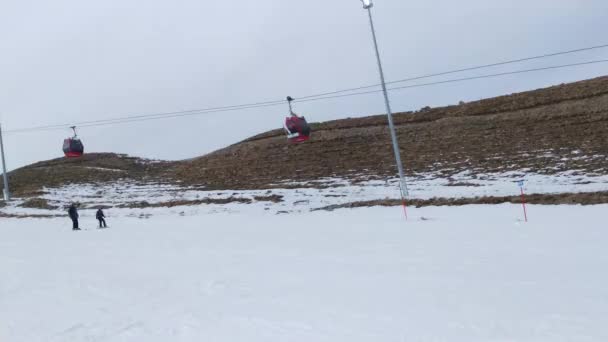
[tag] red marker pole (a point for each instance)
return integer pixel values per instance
(404, 207)
(523, 199)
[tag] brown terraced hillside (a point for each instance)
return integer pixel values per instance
(546, 131)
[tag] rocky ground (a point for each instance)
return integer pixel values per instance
(544, 131)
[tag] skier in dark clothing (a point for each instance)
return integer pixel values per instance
(101, 218)
(73, 213)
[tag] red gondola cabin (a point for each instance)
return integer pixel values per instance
(73, 147)
(297, 129)
(296, 126)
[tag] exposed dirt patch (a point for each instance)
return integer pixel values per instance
(462, 184)
(547, 199)
(27, 216)
(38, 203)
(171, 204)
(95, 207)
(270, 198)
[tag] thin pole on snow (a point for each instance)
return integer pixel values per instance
(6, 191)
(367, 5)
(523, 199)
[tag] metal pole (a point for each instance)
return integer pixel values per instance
(289, 99)
(6, 191)
(403, 184)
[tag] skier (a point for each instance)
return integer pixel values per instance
(101, 218)
(73, 213)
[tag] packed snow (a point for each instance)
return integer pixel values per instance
(473, 273)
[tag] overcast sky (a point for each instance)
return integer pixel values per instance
(66, 61)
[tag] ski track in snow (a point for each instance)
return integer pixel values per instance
(472, 273)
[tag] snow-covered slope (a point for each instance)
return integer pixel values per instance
(472, 273)
(124, 198)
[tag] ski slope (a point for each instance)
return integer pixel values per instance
(473, 273)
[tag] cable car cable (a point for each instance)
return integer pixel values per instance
(456, 80)
(461, 70)
(146, 117)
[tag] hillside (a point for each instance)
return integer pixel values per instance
(556, 138)
(544, 131)
(92, 168)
